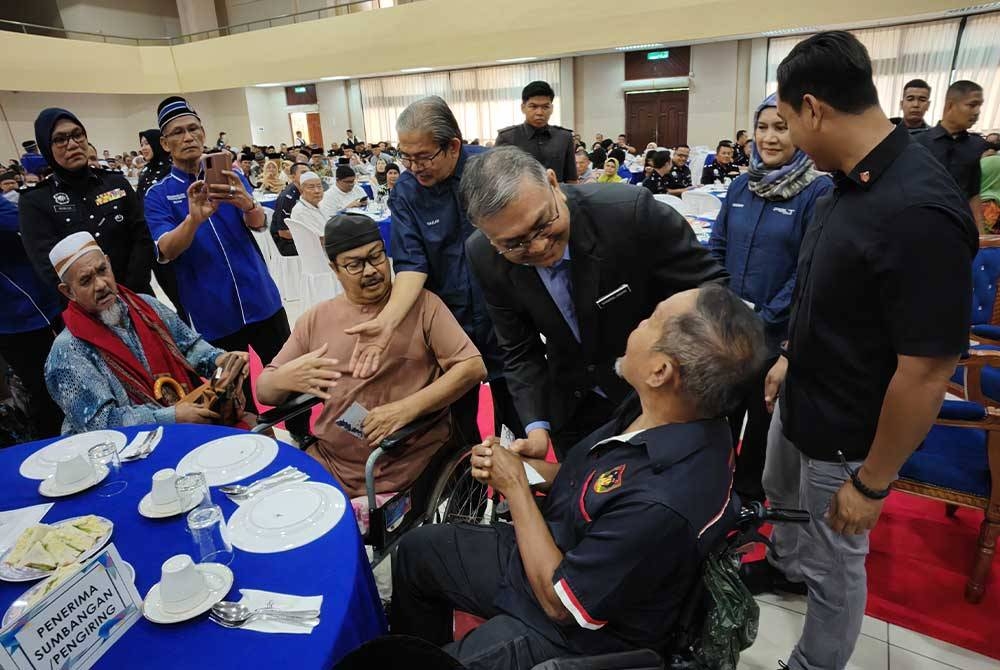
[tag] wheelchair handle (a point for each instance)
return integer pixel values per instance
(778, 515)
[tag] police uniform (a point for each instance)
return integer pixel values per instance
(103, 204)
(656, 183)
(553, 146)
(717, 173)
(678, 177)
(740, 157)
(634, 516)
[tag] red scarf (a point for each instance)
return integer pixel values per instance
(162, 354)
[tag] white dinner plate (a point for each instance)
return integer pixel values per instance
(42, 463)
(9, 573)
(152, 511)
(230, 459)
(286, 517)
(19, 606)
(218, 579)
(50, 488)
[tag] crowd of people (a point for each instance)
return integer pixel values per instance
(604, 328)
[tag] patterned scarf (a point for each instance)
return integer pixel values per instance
(783, 182)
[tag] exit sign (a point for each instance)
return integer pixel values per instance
(300, 89)
(658, 55)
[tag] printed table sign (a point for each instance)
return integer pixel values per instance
(75, 624)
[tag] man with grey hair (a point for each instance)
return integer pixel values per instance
(568, 272)
(606, 563)
(429, 228)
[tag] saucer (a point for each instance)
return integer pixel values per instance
(150, 510)
(50, 488)
(218, 579)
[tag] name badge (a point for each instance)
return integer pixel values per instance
(109, 196)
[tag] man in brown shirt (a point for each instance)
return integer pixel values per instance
(429, 363)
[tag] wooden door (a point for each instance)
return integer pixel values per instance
(659, 117)
(315, 131)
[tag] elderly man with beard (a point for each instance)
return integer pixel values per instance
(102, 368)
(429, 363)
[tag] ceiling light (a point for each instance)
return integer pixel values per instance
(636, 47)
(975, 9)
(524, 59)
(272, 84)
(789, 31)
(416, 69)
(337, 78)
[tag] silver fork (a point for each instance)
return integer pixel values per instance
(292, 478)
(140, 451)
(241, 489)
(240, 623)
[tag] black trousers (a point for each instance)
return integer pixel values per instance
(267, 337)
(443, 567)
(26, 353)
(750, 459)
(465, 411)
(593, 412)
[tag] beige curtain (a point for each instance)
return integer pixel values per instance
(979, 60)
(484, 100)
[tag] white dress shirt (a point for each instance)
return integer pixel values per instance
(335, 200)
(309, 216)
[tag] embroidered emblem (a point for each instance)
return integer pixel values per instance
(108, 196)
(61, 198)
(865, 176)
(119, 218)
(610, 480)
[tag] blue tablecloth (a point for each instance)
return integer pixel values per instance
(334, 566)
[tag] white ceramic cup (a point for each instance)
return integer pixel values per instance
(164, 492)
(181, 586)
(72, 467)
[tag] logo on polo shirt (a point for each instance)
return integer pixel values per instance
(177, 197)
(785, 211)
(610, 480)
(432, 223)
(738, 204)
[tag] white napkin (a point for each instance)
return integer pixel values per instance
(255, 599)
(139, 438)
(16, 521)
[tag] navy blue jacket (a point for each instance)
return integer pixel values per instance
(26, 302)
(758, 242)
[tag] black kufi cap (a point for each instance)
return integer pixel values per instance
(344, 232)
(171, 108)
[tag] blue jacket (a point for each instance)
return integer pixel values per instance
(26, 302)
(758, 241)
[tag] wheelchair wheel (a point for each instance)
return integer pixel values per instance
(457, 497)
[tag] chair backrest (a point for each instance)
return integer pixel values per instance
(682, 207)
(985, 275)
(702, 204)
(314, 260)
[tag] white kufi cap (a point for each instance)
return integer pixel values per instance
(307, 176)
(70, 249)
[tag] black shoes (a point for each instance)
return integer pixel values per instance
(762, 577)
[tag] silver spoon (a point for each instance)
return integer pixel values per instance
(255, 617)
(238, 615)
(257, 490)
(243, 489)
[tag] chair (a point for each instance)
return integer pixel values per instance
(702, 204)
(985, 320)
(959, 464)
(318, 282)
(683, 208)
(285, 270)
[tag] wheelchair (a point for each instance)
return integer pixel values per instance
(444, 492)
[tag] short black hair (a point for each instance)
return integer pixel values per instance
(723, 144)
(537, 89)
(917, 83)
(349, 130)
(833, 66)
(392, 166)
(739, 134)
(682, 146)
(962, 88)
(295, 167)
(660, 158)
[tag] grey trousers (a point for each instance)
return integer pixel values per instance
(832, 565)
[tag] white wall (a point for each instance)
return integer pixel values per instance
(136, 18)
(356, 114)
(712, 101)
(267, 116)
(334, 113)
(599, 103)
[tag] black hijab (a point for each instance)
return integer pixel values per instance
(157, 168)
(44, 125)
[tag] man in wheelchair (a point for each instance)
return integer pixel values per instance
(629, 517)
(430, 363)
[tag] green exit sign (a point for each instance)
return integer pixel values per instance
(300, 89)
(658, 55)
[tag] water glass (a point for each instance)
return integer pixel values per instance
(192, 490)
(105, 455)
(210, 535)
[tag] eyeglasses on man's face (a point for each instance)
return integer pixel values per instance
(418, 162)
(179, 132)
(540, 229)
(61, 140)
(357, 265)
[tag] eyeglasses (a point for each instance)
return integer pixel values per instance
(77, 136)
(357, 266)
(539, 230)
(415, 163)
(178, 133)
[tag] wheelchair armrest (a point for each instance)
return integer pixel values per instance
(294, 406)
(637, 659)
(413, 429)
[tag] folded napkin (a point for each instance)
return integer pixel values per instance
(139, 438)
(255, 599)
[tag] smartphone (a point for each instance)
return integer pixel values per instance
(213, 164)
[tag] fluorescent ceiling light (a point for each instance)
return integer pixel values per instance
(337, 78)
(636, 47)
(524, 59)
(790, 31)
(264, 85)
(974, 9)
(416, 69)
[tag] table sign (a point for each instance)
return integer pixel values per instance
(75, 624)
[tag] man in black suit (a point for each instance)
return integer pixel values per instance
(579, 265)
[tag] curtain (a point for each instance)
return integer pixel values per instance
(899, 54)
(979, 60)
(484, 100)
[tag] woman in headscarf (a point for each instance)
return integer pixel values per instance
(272, 182)
(380, 166)
(157, 160)
(989, 194)
(756, 236)
(610, 173)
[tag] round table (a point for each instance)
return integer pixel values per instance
(334, 566)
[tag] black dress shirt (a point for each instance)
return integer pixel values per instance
(959, 154)
(553, 146)
(678, 177)
(282, 210)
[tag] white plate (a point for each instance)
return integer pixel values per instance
(151, 511)
(219, 580)
(230, 459)
(286, 517)
(9, 573)
(42, 463)
(50, 488)
(18, 607)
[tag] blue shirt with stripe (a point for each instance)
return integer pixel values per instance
(26, 302)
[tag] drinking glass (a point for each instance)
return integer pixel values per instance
(192, 489)
(105, 454)
(210, 535)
